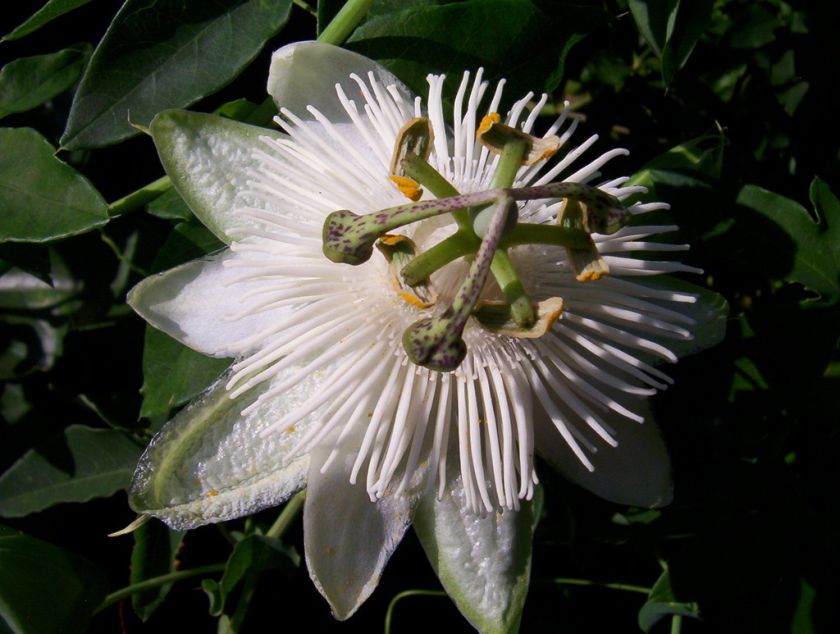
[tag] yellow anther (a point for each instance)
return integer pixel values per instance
(487, 122)
(494, 135)
(408, 187)
(415, 301)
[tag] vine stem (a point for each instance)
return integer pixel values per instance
(347, 19)
(156, 582)
(287, 516)
(389, 614)
(139, 198)
(566, 581)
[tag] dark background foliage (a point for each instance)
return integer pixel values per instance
(730, 115)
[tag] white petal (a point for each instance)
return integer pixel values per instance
(210, 160)
(195, 303)
(637, 472)
(210, 463)
(305, 73)
(483, 562)
(348, 538)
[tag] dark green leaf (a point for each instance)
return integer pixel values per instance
(816, 261)
(161, 54)
(33, 318)
(173, 374)
(49, 12)
(82, 464)
(28, 82)
(327, 10)
(43, 588)
(672, 28)
(155, 549)
(42, 198)
(30, 258)
(499, 35)
(251, 556)
(661, 603)
(754, 28)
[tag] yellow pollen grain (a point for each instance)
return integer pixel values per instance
(487, 122)
(411, 299)
(290, 429)
(408, 187)
(212, 493)
(328, 551)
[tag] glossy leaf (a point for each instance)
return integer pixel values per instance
(82, 464)
(49, 12)
(173, 374)
(27, 82)
(160, 54)
(41, 197)
(412, 38)
(816, 238)
(154, 554)
(45, 589)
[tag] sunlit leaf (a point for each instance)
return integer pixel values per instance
(45, 589)
(161, 54)
(41, 197)
(27, 82)
(49, 12)
(153, 555)
(82, 464)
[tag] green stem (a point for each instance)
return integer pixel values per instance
(287, 516)
(455, 246)
(139, 198)
(598, 584)
(509, 163)
(389, 614)
(417, 168)
(676, 624)
(521, 308)
(342, 25)
(156, 582)
(527, 233)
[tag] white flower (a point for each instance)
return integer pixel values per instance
(322, 393)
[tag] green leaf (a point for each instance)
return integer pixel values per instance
(816, 238)
(251, 556)
(189, 240)
(173, 373)
(661, 603)
(43, 588)
(42, 198)
(49, 12)
(153, 555)
(28, 82)
(84, 463)
(523, 40)
(160, 54)
(754, 28)
(672, 28)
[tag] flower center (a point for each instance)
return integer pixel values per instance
(487, 227)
